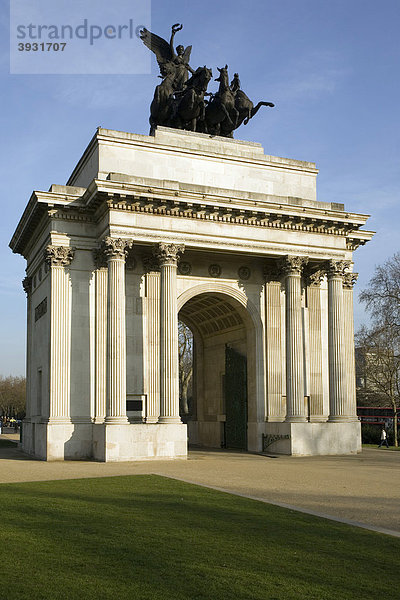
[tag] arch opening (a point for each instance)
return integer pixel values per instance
(223, 391)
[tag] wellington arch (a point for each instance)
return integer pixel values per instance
(149, 230)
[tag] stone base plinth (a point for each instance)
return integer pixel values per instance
(104, 442)
(314, 439)
(139, 441)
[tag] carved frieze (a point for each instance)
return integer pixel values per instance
(59, 256)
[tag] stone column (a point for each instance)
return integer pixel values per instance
(116, 251)
(273, 334)
(59, 257)
(348, 283)
(167, 255)
(151, 267)
(315, 333)
(27, 285)
(292, 267)
(337, 342)
(100, 376)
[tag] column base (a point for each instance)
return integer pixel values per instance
(151, 419)
(342, 419)
(296, 419)
(170, 420)
(116, 420)
(57, 421)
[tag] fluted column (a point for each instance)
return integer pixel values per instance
(315, 336)
(296, 408)
(273, 334)
(167, 255)
(27, 285)
(153, 339)
(59, 257)
(100, 375)
(337, 342)
(115, 251)
(348, 283)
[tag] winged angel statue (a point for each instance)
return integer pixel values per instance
(179, 100)
(166, 55)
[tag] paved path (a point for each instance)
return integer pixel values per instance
(363, 488)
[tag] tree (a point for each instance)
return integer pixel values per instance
(382, 296)
(379, 345)
(185, 345)
(378, 358)
(12, 395)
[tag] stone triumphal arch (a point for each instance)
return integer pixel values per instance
(181, 225)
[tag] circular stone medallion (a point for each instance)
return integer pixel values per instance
(184, 268)
(244, 273)
(214, 270)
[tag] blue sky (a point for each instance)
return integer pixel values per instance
(331, 68)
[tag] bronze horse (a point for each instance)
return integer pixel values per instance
(189, 104)
(161, 106)
(221, 115)
(243, 104)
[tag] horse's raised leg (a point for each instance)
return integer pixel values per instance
(255, 109)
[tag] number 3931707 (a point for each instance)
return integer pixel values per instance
(42, 47)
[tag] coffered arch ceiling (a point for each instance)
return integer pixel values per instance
(211, 314)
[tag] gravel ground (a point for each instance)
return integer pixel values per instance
(364, 488)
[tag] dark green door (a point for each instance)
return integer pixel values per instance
(235, 399)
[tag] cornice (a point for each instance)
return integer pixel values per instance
(189, 204)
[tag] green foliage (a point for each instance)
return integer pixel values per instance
(153, 538)
(370, 434)
(12, 396)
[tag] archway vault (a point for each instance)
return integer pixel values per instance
(220, 315)
(248, 313)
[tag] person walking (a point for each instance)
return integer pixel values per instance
(383, 438)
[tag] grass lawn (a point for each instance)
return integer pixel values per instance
(148, 537)
(382, 448)
(7, 443)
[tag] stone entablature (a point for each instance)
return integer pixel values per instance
(143, 194)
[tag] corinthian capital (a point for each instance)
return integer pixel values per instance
(168, 253)
(99, 258)
(115, 247)
(59, 256)
(349, 280)
(292, 265)
(337, 268)
(314, 278)
(27, 285)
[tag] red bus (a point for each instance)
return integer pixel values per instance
(375, 415)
